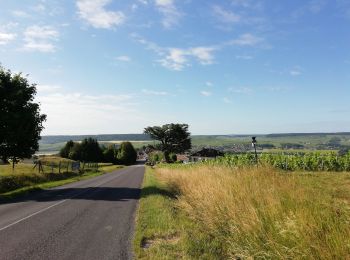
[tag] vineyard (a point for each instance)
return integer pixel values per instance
(291, 162)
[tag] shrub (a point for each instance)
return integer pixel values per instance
(127, 154)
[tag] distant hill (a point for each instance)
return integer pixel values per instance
(52, 139)
(313, 141)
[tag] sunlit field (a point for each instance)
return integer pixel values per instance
(226, 213)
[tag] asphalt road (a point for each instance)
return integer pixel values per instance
(90, 219)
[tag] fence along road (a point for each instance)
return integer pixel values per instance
(90, 219)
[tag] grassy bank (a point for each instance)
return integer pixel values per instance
(25, 179)
(222, 213)
(160, 227)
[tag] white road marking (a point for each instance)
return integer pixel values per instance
(31, 215)
(58, 203)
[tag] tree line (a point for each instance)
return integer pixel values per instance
(89, 150)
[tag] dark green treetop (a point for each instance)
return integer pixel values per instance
(174, 138)
(20, 119)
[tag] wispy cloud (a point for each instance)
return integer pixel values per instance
(244, 57)
(94, 13)
(310, 7)
(123, 58)
(78, 113)
(246, 39)
(48, 88)
(154, 92)
(296, 71)
(205, 93)
(171, 14)
(225, 16)
(178, 59)
(248, 4)
(20, 13)
(5, 37)
(241, 90)
(40, 38)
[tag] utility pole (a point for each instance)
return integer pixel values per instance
(254, 145)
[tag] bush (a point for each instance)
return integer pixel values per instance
(88, 151)
(64, 152)
(173, 157)
(110, 154)
(127, 154)
(156, 157)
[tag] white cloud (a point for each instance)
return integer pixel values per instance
(95, 13)
(250, 4)
(155, 93)
(40, 38)
(20, 13)
(209, 84)
(170, 13)
(203, 54)
(241, 90)
(178, 59)
(205, 93)
(246, 39)
(296, 71)
(5, 38)
(123, 58)
(47, 88)
(149, 45)
(78, 113)
(226, 16)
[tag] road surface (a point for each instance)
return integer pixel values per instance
(90, 219)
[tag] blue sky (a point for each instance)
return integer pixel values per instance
(223, 67)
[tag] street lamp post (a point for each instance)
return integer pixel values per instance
(254, 145)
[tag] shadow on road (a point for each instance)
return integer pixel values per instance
(90, 193)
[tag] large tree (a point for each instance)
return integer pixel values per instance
(20, 119)
(174, 138)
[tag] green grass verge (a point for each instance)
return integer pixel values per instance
(51, 184)
(160, 227)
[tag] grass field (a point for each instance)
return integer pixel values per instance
(203, 212)
(25, 178)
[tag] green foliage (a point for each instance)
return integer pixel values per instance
(127, 154)
(156, 157)
(292, 162)
(174, 138)
(110, 154)
(90, 150)
(173, 157)
(21, 121)
(64, 152)
(87, 151)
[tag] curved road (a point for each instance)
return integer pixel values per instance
(90, 219)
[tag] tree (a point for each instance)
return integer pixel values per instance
(127, 154)
(64, 152)
(110, 154)
(90, 150)
(174, 138)
(20, 120)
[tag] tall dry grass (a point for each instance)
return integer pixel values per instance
(259, 213)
